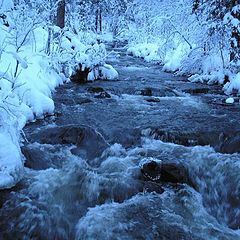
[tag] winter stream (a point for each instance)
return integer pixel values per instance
(150, 156)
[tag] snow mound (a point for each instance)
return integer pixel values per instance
(27, 80)
(11, 161)
(234, 83)
(173, 59)
(147, 51)
(105, 72)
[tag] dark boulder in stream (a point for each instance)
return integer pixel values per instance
(39, 156)
(95, 89)
(229, 144)
(165, 172)
(89, 144)
(103, 95)
(151, 170)
(146, 92)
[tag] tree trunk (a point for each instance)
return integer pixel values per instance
(196, 5)
(96, 22)
(100, 20)
(235, 39)
(60, 21)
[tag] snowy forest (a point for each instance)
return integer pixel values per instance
(119, 119)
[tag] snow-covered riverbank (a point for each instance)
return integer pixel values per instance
(31, 68)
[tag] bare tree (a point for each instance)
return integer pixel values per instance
(98, 14)
(60, 19)
(235, 36)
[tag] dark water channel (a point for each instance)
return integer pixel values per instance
(150, 156)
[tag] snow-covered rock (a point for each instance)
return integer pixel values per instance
(105, 72)
(230, 100)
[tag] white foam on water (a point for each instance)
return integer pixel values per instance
(109, 202)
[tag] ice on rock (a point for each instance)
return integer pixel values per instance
(230, 100)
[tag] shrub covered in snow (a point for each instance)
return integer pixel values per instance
(197, 39)
(149, 52)
(27, 80)
(35, 58)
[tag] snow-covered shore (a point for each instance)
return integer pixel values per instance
(24, 96)
(29, 75)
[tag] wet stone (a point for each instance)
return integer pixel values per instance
(153, 100)
(146, 92)
(89, 143)
(174, 173)
(151, 170)
(95, 89)
(169, 172)
(230, 144)
(103, 95)
(41, 157)
(197, 91)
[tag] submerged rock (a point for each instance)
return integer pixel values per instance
(89, 143)
(229, 144)
(152, 99)
(198, 90)
(103, 95)
(42, 156)
(176, 214)
(99, 92)
(95, 89)
(146, 92)
(153, 187)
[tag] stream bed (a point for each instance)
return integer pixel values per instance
(149, 156)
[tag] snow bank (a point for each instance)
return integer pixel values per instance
(11, 161)
(147, 51)
(6, 5)
(27, 80)
(174, 58)
(157, 52)
(105, 72)
(28, 76)
(234, 84)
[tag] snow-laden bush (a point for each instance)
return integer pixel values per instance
(198, 40)
(72, 55)
(27, 80)
(35, 57)
(157, 24)
(149, 52)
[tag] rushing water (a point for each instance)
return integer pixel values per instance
(112, 202)
(65, 195)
